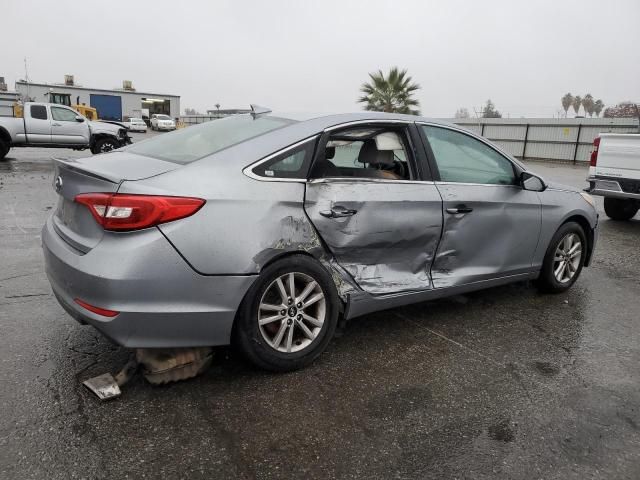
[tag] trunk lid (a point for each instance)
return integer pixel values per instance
(102, 173)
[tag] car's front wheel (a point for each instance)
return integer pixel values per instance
(564, 259)
(105, 145)
(288, 316)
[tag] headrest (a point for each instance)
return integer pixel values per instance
(329, 152)
(370, 154)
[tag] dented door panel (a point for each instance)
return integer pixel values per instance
(498, 237)
(388, 244)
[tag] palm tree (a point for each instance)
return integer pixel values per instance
(598, 106)
(577, 101)
(567, 100)
(392, 94)
(587, 104)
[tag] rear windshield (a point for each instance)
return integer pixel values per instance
(163, 117)
(193, 143)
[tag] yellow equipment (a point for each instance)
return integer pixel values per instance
(65, 99)
(18, 110)
(86, 111)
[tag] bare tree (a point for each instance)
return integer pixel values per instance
(577, 101)
(462, 113)
(567, 101)
(489, 111)
(622, 110)
(587, 104)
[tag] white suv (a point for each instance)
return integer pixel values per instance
(162, 122)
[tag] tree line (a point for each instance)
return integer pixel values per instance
(589, 105)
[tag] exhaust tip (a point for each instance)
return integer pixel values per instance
(104, 386)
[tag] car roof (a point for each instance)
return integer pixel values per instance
(332, 119)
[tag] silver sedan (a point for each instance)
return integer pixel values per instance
(265, 231)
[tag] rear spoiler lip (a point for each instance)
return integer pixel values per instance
(69, 164)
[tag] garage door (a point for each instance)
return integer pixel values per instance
(109, 107)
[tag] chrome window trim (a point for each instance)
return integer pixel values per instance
(368, 180)
(440, 182)
(248, 170)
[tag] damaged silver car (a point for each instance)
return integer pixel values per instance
(263, 230)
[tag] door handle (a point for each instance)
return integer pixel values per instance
(338, 212)
(56, 125)
(459, 209)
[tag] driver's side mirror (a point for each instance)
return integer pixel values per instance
(79, 119)
(532, 182)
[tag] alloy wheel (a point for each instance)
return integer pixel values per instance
(107, 147)
(292, 312)
(567, 258)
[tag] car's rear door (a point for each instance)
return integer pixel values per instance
(491, 225)
(383, 232)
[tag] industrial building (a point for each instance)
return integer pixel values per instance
(114, 104)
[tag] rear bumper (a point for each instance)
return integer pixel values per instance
(614, 187)
(162, 302)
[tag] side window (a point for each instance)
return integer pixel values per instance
(462, 158)
(290, 164)
(63, 115)
(39, 112)
(365, 153)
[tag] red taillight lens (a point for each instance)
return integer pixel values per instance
(594, 152)
(133, 212)
(100, 311)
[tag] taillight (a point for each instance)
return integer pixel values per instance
(122, 212)
(594, 152)
(97, 310)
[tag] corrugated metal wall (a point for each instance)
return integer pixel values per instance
(566, 139)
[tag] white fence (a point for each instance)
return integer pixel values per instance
(565, 139)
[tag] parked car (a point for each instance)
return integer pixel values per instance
(162, 122)
(136, 125)
(58, 126)
(263, 231)
(614, 173)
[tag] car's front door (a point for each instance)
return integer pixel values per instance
(491, 225)
(65, 128)
(382, 231)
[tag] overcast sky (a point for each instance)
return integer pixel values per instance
(313, 56)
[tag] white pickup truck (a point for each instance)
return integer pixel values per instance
(614, 173)
(58, 126)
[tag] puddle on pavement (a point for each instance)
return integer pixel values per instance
(15, 166)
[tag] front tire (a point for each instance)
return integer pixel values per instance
(288, 316)
(564, 259)
(105, 145)
(620, 209)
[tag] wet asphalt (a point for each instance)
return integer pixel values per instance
(504, 383)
